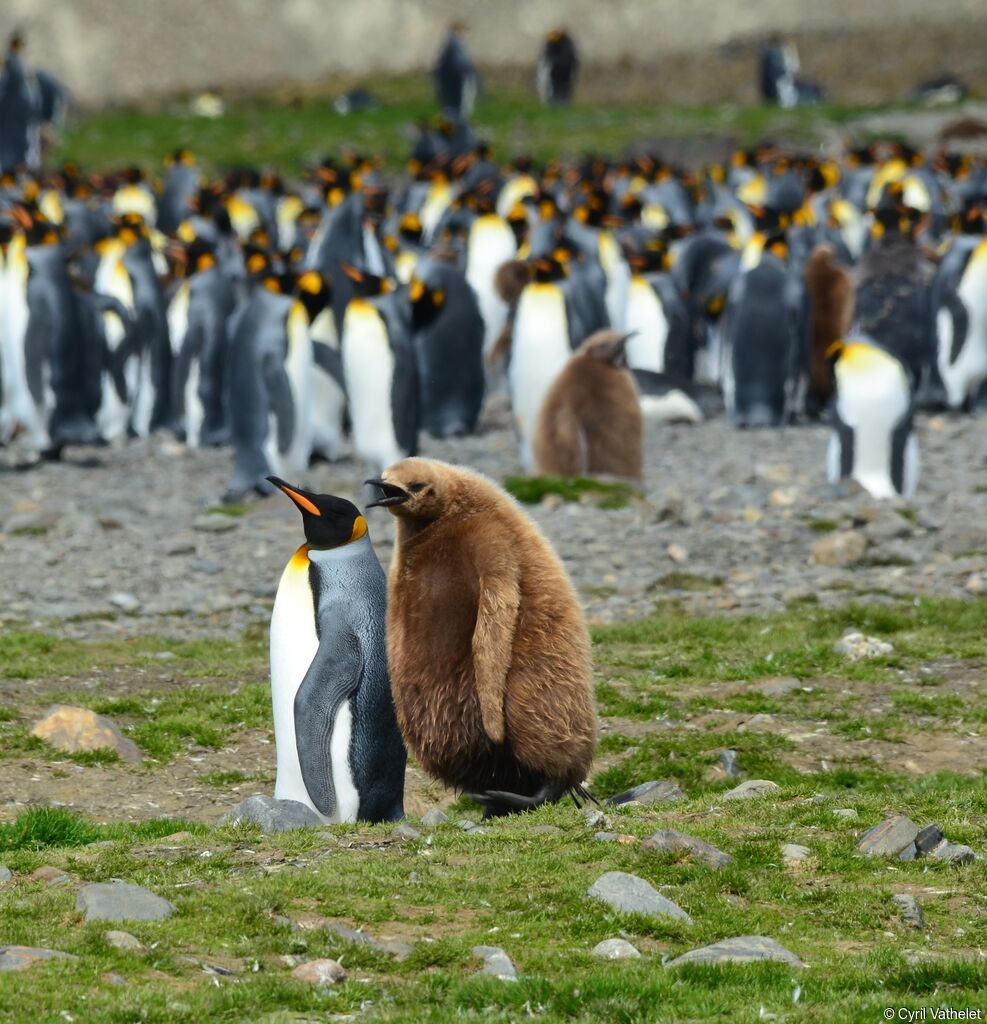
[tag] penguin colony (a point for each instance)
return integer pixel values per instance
(352, 310)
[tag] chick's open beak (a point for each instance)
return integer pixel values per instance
(391, 494)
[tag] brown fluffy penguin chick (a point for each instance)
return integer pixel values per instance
(590, 420)
(488, 650)
(830, 290)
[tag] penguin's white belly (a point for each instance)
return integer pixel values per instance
(368, 370)
(18, 406)
(298, 367)
(618, 278)
(539, 352)
(143, 391)
(491, 244)
(347, 797)
(645, 315)
(872, 404)
(672, 407)
(963, 377)
(294, 644)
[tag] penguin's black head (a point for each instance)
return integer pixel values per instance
(313, 292)
(426, 303)
(329, 522)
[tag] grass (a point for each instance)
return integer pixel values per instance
(288, 129)
(532, 489)
(674, 691)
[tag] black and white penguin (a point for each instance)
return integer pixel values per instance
(339, 749)
(448, 334)
(959, 296)
(657, 318)
(872, 440)
(20, 113)
(181, 186)
(456, 80)
(379, 371)
(490, 244)
(558, 67)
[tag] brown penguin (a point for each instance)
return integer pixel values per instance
(590, 420)
(487, 646)
(830, 291)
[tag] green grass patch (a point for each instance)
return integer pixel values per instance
(532, 489)
(234, 509)
(689, 581)
(823, 525)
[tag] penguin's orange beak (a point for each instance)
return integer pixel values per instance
(391, 494)
(297, 497)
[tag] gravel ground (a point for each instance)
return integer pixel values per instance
(122, 539)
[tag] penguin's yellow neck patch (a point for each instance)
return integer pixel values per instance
(860, 357)
(299, 560)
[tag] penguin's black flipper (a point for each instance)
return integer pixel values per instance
(332, 678)
(279, 397)
(329, 359)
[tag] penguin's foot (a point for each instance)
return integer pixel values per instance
(497, 802)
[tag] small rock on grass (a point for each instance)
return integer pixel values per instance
(124, 601)
(793, 853)
(19, 958)
(890, 838)
(842, 547)
(632, 895)
(5, 875)
(750, 788)
(654, 792)
(435, 816)
(320, 972)
(272, 815)
(51, 875)
(742, 949)
(406, 832)
(857, 647)
(123, 940)
(496, 962)
(953, 853)
(615, 949)
(911, 912)
(121, 901)
(76, 730)
(679, 842)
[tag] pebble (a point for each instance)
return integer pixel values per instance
(124, 601)
(677, 553)
(320, 972)
(406, 832)
(792, 853)
(615, 949)
(19, 958)
(51, 875)
(471, 827)
(750, 788)
(953, 853)
(890, 838)
(496, 962)
(124, 940)
(595, 819)
(840, 548)
(632, 895)
(272, 815)
(739, 950)
(911, 912)
(856, 646)
(654, 792)
(5, 875)
(680, 842)
(121, 901)
(848, 813)
(74, 730)
(435, 816)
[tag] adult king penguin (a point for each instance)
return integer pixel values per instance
(338, 745)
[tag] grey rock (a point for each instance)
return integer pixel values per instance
(595, 819)
(320, 972)
(840, 548)
(124, 601)
(911, 912)
(434, 816)
(750, 788)
(180, 547)
(406, 832)
(729, 764)
(216, 523)
(632, 895)
(400, 950)
(847, 813)
(51, 875)
(793, 853)
(123, 940)
(858, 647)
(779, 687)
(121, 901)
(928, 839)
(471, 827)
(679, 842)
(741, 949)
(615, 949)
(495, 962)
(654, 792)
(19, 958)
(890, 838)
(207, 566)
(5, 875)
(272, 815)
(953, 853)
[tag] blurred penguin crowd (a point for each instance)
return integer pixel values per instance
(348, 309)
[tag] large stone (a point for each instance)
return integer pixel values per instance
(653, 792)
(928, 839)
(272, 815)
(616, 949)
(840, 548)
(953, 853)
(889, 839)
(19, 958)
(750, 788)
(75, 730)
(319, 972)
(495, 962)
(740, 950)
(679, 842)
(794, 853)
(121, 901)
(632, 895)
